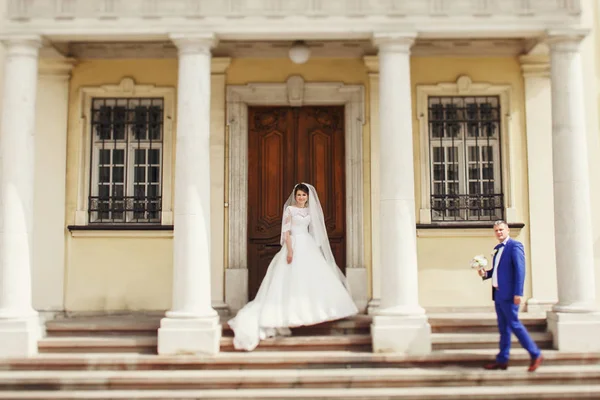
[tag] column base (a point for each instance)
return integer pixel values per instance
(401, 334)
(189, 336)
(236, 288)
(539, 306)
(19, 336)
(577, 332)
(357, 282)
(373, 306)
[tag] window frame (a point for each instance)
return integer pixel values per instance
(127, 88)
(465, 87)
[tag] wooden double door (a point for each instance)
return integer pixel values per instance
(287, 145)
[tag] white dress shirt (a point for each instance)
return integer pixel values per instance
(497, 262)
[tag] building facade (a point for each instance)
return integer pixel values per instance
(148, 146)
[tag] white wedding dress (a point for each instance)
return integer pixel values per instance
(305, 292)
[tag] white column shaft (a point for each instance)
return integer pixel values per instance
(573, 219)
(191, 280)
(17, 176)
(399, 273)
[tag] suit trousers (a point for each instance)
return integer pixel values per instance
(508, 321)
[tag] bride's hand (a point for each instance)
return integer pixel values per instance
(289, 257)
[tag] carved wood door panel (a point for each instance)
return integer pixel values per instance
(287, 145)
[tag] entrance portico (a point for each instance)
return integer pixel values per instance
(400, 323)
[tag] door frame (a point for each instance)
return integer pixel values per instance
(294, 92)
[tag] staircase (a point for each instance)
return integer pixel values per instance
(114, 358)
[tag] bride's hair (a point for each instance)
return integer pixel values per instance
(301, 186)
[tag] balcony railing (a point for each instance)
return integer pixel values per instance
(109, 9)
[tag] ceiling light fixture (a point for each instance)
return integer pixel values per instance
(299, 52)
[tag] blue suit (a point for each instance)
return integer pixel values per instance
(511, 277)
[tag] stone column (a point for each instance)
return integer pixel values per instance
(192, 326)
(538, 106)
(50, 179)
(574, 321)
(19, 326)
(400, 324)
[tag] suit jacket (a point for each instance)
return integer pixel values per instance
(511, 272)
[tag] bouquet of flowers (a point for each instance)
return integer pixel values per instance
(479, 262)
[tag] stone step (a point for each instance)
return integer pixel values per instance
(147, 344)
(295, 378)
(308, 343)
(447, 341)
(544, 392)
(129, 325)
(480, 322)
(283, 360)
(148, 326)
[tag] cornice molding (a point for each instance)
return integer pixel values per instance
(280, 20)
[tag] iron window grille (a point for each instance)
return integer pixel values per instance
(127, 152)
(465, 157)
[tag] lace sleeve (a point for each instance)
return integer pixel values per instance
(286, 224)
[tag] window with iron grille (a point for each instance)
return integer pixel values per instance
(126, 160)
(464, 148)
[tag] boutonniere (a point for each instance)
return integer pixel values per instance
(494, 252)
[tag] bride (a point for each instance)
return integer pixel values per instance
(303, 285)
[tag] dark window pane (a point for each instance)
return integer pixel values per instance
(153, 191)
(154, 174)
(118, 191)
(488, 187)
(140, 157)
(104, 157)
(154, 156)
(118, 174)
(119, 119)
(473, 171)
(118, 157)
(488, 172)
(104, 174)
(453, 172)
(103, 191)
(438, 172)
(140, 174)
(140, 191)
(473, 153)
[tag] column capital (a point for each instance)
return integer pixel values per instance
(24, 45)
(565, 40)
(190, 43)
(535, 65)
(372, 64)
(394, 41)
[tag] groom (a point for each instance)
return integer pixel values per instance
(508, 276)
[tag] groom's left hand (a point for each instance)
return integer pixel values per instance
(517, 300)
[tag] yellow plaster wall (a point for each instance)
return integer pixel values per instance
(114, 273)
(106, 274)
(445, 279)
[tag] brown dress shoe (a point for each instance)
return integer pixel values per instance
(535, 363)
(496, 365)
